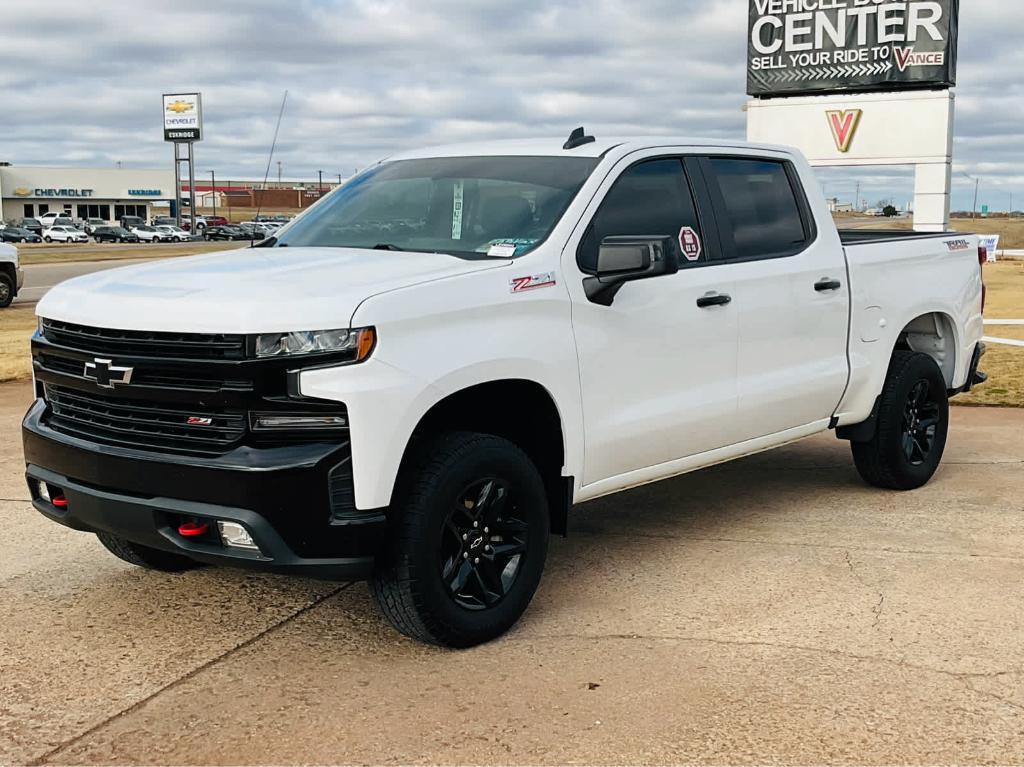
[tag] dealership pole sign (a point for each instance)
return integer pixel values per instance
(807, 47)
(183, 117)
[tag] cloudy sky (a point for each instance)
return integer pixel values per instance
(80, 82)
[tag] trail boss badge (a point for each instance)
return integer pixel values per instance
(689, 241)
(523, 284)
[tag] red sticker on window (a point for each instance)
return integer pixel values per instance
(689, 241)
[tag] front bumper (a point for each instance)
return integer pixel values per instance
(280, 494)
(19, 279)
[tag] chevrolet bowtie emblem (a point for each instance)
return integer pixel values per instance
(106, 374)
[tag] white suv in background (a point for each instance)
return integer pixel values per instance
(64, 234)
(150, 234)
(173, 233)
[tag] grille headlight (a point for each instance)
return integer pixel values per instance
(359, 341)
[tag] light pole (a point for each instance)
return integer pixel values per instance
(279, 173)
(977, 183)
(321, 174)
(213, 191)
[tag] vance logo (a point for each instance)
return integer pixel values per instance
(906, 57)
(844, 124)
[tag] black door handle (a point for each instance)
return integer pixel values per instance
(826, 285)
(707, 302)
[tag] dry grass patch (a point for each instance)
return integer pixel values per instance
(17, 323)
(52, 254)
(1005, 281)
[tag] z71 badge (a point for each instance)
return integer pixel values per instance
(537, 281)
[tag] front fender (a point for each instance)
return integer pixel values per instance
(440, 338)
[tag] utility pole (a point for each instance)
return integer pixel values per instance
(977, 182)
(213, 189)
(339, 182)
(321, 174)
(857, 206)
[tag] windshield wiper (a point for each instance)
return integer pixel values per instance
(386, 246)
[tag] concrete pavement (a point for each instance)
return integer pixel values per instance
(770, 610)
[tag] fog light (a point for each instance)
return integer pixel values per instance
(236, 537)
(44, 491)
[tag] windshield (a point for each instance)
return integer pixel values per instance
(459, 205)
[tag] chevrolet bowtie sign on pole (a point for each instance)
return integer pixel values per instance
(183, 125)
(859, 82)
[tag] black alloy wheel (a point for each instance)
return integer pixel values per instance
(911, 427)
(482, 545)
(920, 421)
(466, 543)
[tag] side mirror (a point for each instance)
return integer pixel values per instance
(625, 259)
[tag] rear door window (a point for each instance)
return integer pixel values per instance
(760, 209)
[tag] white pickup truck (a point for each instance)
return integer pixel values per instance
(11, 275)
(415, 380)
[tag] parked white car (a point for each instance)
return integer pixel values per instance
(260, 228)
(12, 277)
(418, 378)
(173, 233)
(64, 233)
(150, 234)
(50, 218)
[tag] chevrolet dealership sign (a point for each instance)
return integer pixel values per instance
(804, 47)
(183, 117)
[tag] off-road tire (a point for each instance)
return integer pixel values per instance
(6, 290)
(407, 582)
(883, 461)
(144, 556)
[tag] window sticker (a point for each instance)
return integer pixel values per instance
(507, 247)
(689, 241)
(458, 192)
(502, 250)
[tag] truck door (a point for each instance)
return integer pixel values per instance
(790, 293)
(657, 371)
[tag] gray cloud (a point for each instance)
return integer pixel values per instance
(81, 82)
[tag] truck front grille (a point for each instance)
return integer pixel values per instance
(143, 425)
(136, 343)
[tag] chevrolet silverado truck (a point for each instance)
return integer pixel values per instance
(12, 277)
(415, 380)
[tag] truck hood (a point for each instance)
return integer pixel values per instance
(252, 290)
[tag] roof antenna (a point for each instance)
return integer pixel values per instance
(578, 138)
(270, 159)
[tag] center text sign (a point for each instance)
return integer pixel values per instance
(803, 47)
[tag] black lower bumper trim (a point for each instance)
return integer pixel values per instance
(152, 522)
(281, 494)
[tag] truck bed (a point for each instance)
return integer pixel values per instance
(863, 236)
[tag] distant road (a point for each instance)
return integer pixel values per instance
(39, 278)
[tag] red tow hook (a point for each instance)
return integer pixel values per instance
(193, 529)
(59, 501)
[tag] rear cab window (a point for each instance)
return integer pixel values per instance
(761, 207)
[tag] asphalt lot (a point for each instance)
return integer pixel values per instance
(39, 278)
(770, 610)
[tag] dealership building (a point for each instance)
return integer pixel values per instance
(107, 193)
